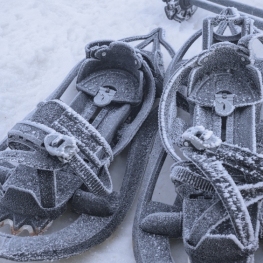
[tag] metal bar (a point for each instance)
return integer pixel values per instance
(251, 10)
(217, 8)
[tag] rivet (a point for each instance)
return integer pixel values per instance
(186, 144)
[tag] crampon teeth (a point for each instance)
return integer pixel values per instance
(21, 229)
(6, 222)
(31, 231)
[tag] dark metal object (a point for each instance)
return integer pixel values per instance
(218, 206)
(181, 10)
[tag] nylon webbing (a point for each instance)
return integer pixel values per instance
(184, 175)
(85, 162)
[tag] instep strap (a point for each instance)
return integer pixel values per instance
(184, 175)
(71, 139)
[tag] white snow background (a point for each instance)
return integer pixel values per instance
(40, 41)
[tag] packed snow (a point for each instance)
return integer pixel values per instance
(41, 41)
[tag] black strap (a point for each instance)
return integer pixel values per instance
(185, 175)
(78, 144)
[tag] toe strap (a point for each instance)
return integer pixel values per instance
(70, 140)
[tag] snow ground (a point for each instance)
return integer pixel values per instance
(41, 41)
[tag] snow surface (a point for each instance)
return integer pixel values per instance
(40, 41)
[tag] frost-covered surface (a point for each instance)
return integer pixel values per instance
(206, 140)
(42, 40)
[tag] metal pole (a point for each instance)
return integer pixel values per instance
(251, 10)
(217, 8)
(204, 4)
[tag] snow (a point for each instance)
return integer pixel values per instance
(40, 41)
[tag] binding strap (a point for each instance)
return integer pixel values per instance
(228, 193)
(185, 175)
(70, 140)
(217, 213)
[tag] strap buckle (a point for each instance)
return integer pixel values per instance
(62, 146)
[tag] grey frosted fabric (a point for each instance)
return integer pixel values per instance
(60, 154)
(217, 210)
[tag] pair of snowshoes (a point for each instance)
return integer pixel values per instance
(59, 156)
